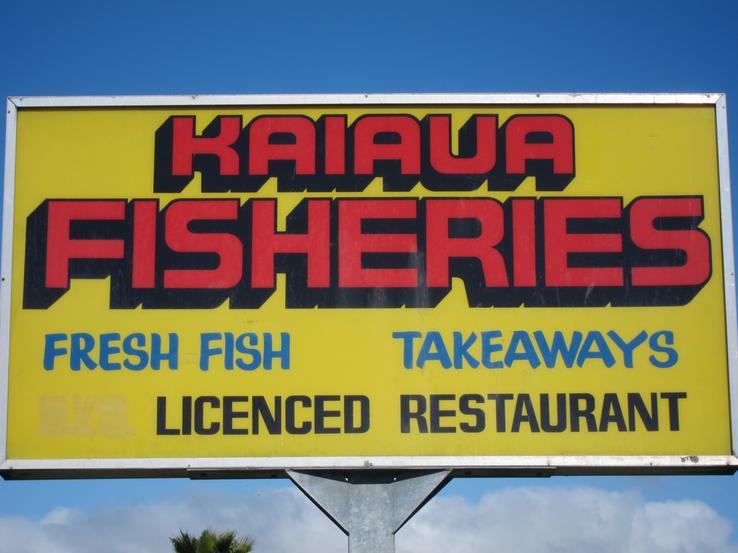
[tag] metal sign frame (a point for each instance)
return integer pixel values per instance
(461, 466)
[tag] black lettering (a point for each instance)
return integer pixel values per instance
(650, 419)
(321, 413)
(200, 427)
(465, 408)
(611, 412)
(560, 425)
(187, 415)
(260, 412)
(500, 400)
(524, 412)
(436, 413)
(161, 419)
(350, 404)
(673, 399)
(290, 407)
(418, 413)
(229, 414)
(578, 412)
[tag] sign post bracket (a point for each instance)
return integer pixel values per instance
(370, 506)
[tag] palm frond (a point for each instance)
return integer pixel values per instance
(184, 543)
(224, 542)
(210, 541)
(243, 545)
(206, 542)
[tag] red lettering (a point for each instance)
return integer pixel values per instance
(559, 242)
(524, 242)
(352, 243)
(262, 150)
(335, 144)
(144, 243)
(266, 243)
(443, 161)
(520, 148)
(644, 212)
(185, 145)
(227, 247)
(406, 150)
(441, 247)
(60, 249)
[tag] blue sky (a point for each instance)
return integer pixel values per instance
(229, 46)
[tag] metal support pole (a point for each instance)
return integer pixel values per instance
(370, 506)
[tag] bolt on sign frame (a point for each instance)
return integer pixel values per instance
(482, 283)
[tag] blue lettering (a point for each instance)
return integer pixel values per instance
(461, 350)
(602, 351)
(628, 347)
(254, 353)
(407, 346)
(671, 354)
(51, 352)
(206, 351)
(229, 346)
(157, 355)
(433, 349)
(488, 348)
(558, 347)
(283, 354)
(80, 347)
(107, 349)
(529, 355)
(133, 345)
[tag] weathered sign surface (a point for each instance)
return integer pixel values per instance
(475, 282)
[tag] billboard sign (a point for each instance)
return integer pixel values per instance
(478, 282)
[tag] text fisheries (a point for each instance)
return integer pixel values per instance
(197, 253)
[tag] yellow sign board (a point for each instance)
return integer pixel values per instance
(262, 283)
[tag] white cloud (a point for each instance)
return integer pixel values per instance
(521, 519)
(280, 520)
(565, 519)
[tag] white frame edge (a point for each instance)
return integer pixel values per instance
(196, 100)
(254, 464)
(527, 464)
(6, 277)
(731, 326)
